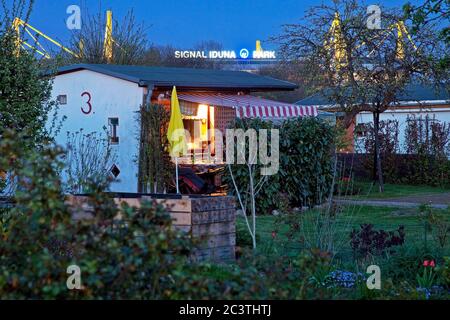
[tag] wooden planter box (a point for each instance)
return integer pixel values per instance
(211, 220)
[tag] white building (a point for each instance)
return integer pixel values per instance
(416, 102)
(94, 96)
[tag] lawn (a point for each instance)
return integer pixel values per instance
(368, 191)
(276, 249)
(273, 231)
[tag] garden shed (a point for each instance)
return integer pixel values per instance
(95, 96)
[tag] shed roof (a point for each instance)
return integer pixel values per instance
(185, 78)
(413, 93)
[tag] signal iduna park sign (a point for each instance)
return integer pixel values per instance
(226, 54)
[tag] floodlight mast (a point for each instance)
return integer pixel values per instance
(337, 43)
(20, 25)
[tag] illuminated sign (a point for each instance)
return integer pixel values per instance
(258, 54)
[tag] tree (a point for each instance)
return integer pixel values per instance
(358, 67)
(246, 178)
(432, 12)
(24, 91)
(129, 41)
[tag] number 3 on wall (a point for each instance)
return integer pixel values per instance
(88, 103)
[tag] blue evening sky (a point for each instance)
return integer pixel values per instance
(183, 23)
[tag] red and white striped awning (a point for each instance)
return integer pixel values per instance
(247, 106)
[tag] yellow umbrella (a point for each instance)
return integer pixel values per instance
(175, 133)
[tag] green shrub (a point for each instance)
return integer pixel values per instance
(265, 201)
(131, 258)
(444, 272)
(306, 164)
(406, 263)
(243, 238)
(25, 93)
(425, 160)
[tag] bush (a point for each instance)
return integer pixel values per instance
(131, 258)
(25, 93)
(265, 202)
(426, 152)
(306, 160)
(406, 263)
(369, 242)
(155, 164)
(389, 146)
(243, 238)
(306, 164)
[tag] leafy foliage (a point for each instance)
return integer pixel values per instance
(429, 140)
(388, 137)
(156, 168)
(427, 147)
(368, 241)
(24, 91)
(133, 257)
(431, 12)
(306, 160)
(435, 223)
(306, 164)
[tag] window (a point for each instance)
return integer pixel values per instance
(113, 124)
(361, 130)
(115, 171)
(62, 99)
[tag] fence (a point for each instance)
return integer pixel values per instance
(397, 168)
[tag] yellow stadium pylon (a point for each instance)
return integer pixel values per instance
(402, 32)
(16, 27)
(337, 43)
(108, 46)
(35, 34)
(258, 46)
(38, 48)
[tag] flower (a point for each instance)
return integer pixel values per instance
(274, 234)
(429, 263)
(345, 279)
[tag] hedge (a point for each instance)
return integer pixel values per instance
(306, 164)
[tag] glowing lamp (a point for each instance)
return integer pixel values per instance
(202, 111)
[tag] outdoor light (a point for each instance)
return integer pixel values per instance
(202, 111)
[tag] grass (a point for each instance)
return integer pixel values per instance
(282, 249)
(367, 191)
(351, 218)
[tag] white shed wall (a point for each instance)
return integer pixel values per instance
(110, 98)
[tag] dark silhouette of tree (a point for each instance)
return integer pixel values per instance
(436, 13)
(356, 67)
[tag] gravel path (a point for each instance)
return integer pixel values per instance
(435, 198)
(438, 201)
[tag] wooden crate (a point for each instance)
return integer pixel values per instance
(211, 221)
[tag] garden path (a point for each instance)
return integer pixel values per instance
(438, 201)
